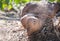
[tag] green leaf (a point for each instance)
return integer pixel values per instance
(4, 6)
(54, 1)
(0, 5)
(58, 1)
(36, 0)
(7, 1)
(51, 0)
(9, 7)
(10, 1)
(25, 1)
(17, 1)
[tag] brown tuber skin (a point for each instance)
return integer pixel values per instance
(31, 23)
(56, 23)
(34, 15)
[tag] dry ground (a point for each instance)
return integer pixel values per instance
(11, 29)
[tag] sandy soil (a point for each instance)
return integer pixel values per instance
(11, 28)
